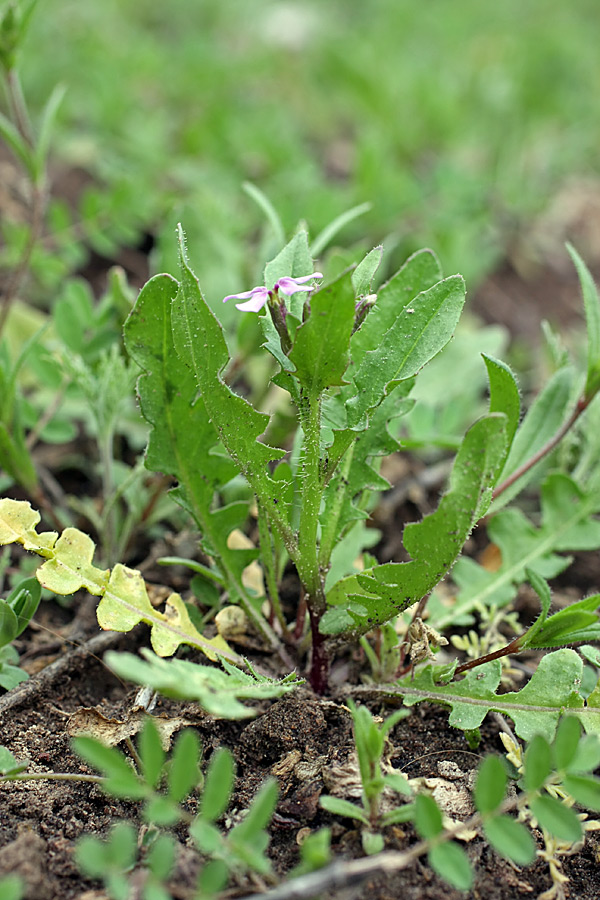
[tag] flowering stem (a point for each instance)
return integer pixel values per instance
(308, 551)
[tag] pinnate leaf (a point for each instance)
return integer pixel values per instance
(535, 709)
(217, 692)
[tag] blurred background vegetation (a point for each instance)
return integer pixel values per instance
(458, 121)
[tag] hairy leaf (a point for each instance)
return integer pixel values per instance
(200, 342)
(415, 336)
(374, 597)
(320, 351)
(535, 709)
(217, 692)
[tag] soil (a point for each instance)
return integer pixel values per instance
(304, 740)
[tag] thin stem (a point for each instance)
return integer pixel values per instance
(13, 285)
(513, 647)
(312, 491)
(53, 776)
(581, 406)
(18, 107)
(21, 120)
(342, 873)
(308, 555)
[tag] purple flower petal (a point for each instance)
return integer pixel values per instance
(289, 286)
(256, 299)
(256, 303)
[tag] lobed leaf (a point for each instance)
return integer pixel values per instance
(552, 690)
(217, 692)
(199, 340)
(370, 599)
(125, 603)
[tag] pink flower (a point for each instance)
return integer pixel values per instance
(258, 296)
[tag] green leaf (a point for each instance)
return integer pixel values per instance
(344, 808)
(535, 709)
(542, 421)
(491, 785)
(151, 753)
(9, 765)
(183, 774)
(433, 544)
(585, 790)
(591, 303)
(329, 232)
(557, 818)
(250, 831)
(200, 342)
(504, 395)
(11, 887)
(510, 839)
(121, 779)
(169, 396)
(271, 214)
(417, 334)
(160, 858)
(24, 600)
(218, 785)
(161, 811)
(566, 742)
(538, 762)
(8, 624)
(320, 351)
(207, 836)
(577, 622)
(213, 877)
(420, 271)
(587, 757)
(452, 864)
(371, 842)
(216, 691)
(45, 130)
(363, 275)
(428, 818)
(293, 261)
